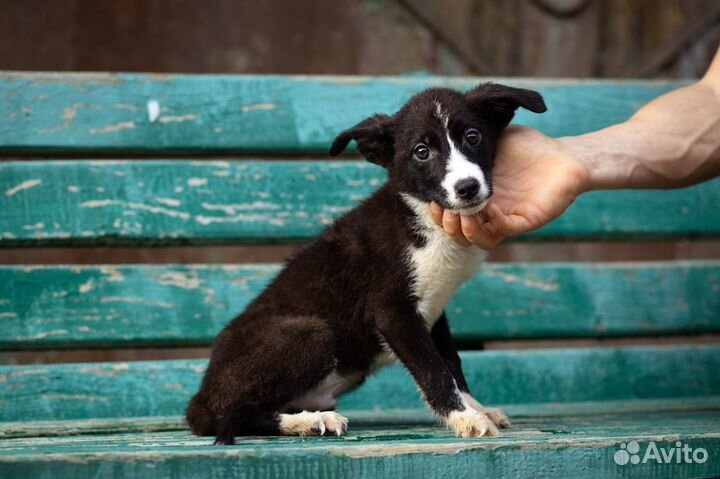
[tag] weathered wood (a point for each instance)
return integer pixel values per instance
(50, 307)
(220, 202)
(375, 418)
(162, 388)
(542, 447)
(43, 112)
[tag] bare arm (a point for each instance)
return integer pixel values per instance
(671, 142)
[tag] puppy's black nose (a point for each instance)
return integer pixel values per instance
(467, 188)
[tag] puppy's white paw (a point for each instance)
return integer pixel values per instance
(334, 422)
(471, 423)
(313, 423)
(495, 415)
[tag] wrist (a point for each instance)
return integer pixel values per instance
(584, 155)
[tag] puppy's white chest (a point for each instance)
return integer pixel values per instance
(437, 269)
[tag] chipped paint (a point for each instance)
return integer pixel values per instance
(232, 209)
(36, 226)
(258, 106)
(153, 110)
(123, 125)
(135, 300)
(180, 279)
(168, 202)
(207, 220)
(72, 397)
(87, 286)
(27, 372)
(135, 206)
(25, 185)
(197, 182)
(112, 273)
(178, 118)
(545, 285)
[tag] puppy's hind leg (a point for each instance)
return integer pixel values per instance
(317, 423)
(280, 362)
(247, 420)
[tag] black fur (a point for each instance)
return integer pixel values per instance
(350, 290)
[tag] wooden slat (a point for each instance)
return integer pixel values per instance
(82, 113)
(222, 202)
(547, 447)
(140, 305)
(163, 388)
(381, 418)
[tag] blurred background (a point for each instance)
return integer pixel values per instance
(536, 38)
(567, 38)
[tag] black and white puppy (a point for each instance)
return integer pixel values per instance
(371, 289)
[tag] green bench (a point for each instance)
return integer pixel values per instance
(199, 176)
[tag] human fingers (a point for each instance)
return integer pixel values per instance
(453, 227)
(479, 233)
(436, 213)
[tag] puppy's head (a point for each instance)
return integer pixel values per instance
(440, 146)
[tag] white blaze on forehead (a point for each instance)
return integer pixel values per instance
(458, 168)
(440, 115)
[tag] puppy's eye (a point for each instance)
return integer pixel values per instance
(421, 152)
(472, 136)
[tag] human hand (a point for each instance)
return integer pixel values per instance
(535, 179)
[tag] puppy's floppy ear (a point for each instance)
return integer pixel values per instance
(499, 102)
(375, 139)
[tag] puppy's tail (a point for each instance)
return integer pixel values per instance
(243, 419)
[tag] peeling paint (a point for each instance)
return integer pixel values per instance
(135, 206)
(258, 106)
(72, 397)
(123, 125)
(180, 279)
(113, 274)
(232, 209)
(178, 118)
(168, 202)
(36, 226)
(545, 285)
(197, 181)
(207, 220)
(25, 185)
(135, 300)
(87, 286)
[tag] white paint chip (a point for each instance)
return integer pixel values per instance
(25, 185)
(258, 106)
(197, 181)
(153, 109)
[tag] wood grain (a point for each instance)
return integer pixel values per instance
(182, 305)
(228, 202)
(109, 113)
(538, 447)
(163, 388)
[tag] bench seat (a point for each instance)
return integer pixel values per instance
(131, 160)
(556, 440)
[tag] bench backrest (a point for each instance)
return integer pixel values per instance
(62, 184)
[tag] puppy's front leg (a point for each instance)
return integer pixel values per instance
(445, 345)
(406, 334)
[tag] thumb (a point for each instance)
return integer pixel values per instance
(507, 225)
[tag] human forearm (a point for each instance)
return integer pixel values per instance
(671, 142)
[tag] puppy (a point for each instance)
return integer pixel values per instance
(371, 289)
